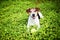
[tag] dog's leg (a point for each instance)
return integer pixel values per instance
(38, 26)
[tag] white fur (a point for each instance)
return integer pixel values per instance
(32, 22)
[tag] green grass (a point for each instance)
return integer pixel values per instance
(13, 21)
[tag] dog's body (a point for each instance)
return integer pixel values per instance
(33, 19)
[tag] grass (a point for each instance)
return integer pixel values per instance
(13, 21)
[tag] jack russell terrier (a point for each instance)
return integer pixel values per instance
(34, 16)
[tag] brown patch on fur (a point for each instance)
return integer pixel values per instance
(37, 9)
(28, 10)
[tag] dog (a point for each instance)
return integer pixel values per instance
(34, 16)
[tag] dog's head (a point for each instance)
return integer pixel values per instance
(33, 12)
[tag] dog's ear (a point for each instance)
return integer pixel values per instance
(28, 10)
(38, 15)
(37, 9)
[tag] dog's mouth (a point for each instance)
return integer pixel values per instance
(33, 17)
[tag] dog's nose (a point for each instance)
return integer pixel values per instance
(33, 15)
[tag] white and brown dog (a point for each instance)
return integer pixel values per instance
(34, 16)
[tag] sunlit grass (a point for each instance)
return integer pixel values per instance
(13, 21)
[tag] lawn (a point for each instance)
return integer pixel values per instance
(13, 20)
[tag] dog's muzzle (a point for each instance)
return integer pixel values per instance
(33, 16)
